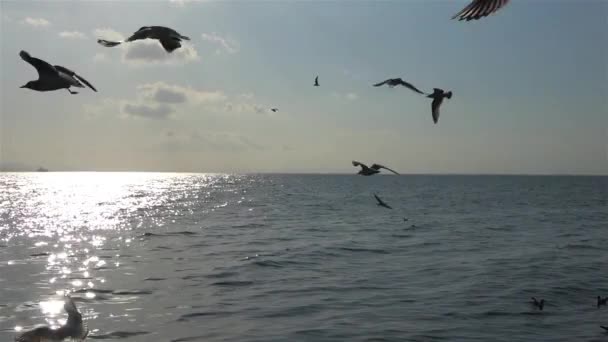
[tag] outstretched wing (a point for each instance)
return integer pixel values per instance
(379, 200)
(478, 9)
(410, 86)
(41, 66)
(381, 83)
(435, 108)
(76, 76)
(170, 44)
(378, 166)
(70, 306)
(356, 163)
(603, 327)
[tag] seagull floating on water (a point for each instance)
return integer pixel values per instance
(601, 301)
(540, 304)
(478, 9)
(169, 38)
(52, 77)
(437, 96)
(381, 203)
(368, 171)
(393, 82)
(74, 328)
(317, 81)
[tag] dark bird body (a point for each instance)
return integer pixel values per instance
(316, 81)
(74, 328)
(52, 77)
(438, 95)
(381, 203)
(478, 9)
(168, 38)
(393, 82)
(540, 304)
(369, 171)
(274, 110)
(601, 301)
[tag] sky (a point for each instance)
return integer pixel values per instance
(530, 87)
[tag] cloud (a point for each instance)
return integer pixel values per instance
(184, 2)
(166, 93)
(108, 34)
(226, 44)
(36, 22)
(72, 35)
(158, 112)
(351, 96)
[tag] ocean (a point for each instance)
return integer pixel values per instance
(219, 257)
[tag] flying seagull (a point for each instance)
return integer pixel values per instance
(317, 81)
(274, 110)
(169, 38)
(437, 96)
(52, 77)
(381, 202)
(74, 328)
(540, 304)
(601, 301)
(478, 9)
(368, 171)
(393, 82)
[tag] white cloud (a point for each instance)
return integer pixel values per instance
(166, 93)
(72, 35)
(226, 44)
(351, 96)
(184, 2)
(36, 22)
(158, 112)
(108, 34)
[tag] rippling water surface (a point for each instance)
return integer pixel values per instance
(211, 257)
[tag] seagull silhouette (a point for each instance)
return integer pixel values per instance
(52, 77)
(381, 203)
(275, 110)
(540, 304)
(368, 171)
(74, 328)
(317, 81)
(437, 96)
(392, 82)
(168, 38)
(478, 9)
(601, 301)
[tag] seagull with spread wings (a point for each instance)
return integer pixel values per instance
(74, 328)
(168, 38)
(53, 77)
(381, 203)
(316, 81)
(393, 82)
(438, 95)
(372, 170)
(478, 9)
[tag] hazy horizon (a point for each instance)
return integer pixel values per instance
(532, 102)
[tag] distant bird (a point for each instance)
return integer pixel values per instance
(168, 38)
(393, 82)
(52, 77)
(368, 171)
(540, 304)
(603, 327)
(601, 301)
(405, 220)
(74, 328)
(381, 203)
(317, 81)
(437, 96)
(275, 110)
(478, 9)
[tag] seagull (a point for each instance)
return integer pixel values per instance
(368, 171)
(74, 328)
(478, 9)
(539, 304)
(52, 77)
(169, 38)
(381, 202)
(601, 301)
(275, 110)
(437, 96)
(392, 82)
(603, 327)
(317, 81)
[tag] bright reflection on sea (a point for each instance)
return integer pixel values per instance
(70, 222)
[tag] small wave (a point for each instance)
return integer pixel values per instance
(97, 291)
(131, 292)
(365, 250)
(187, 339)
(267, 263)
(40, 254)
(154, 279)
(186, 317)
(118, 334)
(220, 275)
(233, 283)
